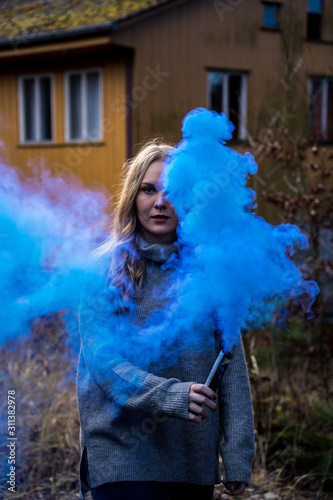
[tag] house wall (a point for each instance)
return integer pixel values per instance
(183, 41)
(93, 162)
(173, 48)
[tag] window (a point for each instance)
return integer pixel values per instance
(314, 19)
(271, 15)
(83, 105)
(321, 108)
(227, 94)
(35, 109)
(325, 254)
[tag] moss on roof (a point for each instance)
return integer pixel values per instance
(33, 17)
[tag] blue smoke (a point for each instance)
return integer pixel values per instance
(48, 227)
(237, 266)
(233, 266)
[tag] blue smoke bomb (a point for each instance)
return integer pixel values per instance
(237, 266)
(233, 268)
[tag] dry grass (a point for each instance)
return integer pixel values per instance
(40, 369)
(293, 417)
(269, 486)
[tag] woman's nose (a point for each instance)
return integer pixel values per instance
(160, 201)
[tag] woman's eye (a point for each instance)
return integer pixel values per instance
(149, 190)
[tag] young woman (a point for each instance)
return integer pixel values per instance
(150, 428)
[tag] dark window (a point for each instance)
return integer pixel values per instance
(235, 82)
(271, 15)
(83, 105)
(330, 109)
(29, 109)
(93, 105)
(227, 94)
(314, 19)
(321, 108)
(45, 108)
(35, 109)
(75, 93)
(216, 91)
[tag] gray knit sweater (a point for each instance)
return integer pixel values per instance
(133, 415)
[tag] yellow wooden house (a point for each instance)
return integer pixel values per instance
(83, 82)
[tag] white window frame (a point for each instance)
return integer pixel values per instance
(21, 109)
(324, 102)
(225, 103)
(84, 136)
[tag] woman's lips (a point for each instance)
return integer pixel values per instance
(160, 217)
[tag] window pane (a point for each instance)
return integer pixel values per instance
(93, 106)
(227, 93)
(314, 6)
(216, 91)
(234, 102)
(316, 105)
(45, 108)
(326, 251)
(75, 111)
(330, 110)
(314, 26)
(271, 13)
(314, 19)
(29, 106)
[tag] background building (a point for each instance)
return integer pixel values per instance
(82, 83)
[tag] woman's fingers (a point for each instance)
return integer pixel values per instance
(199, 396)
(204, 390)
(197, 410)
(194, 418)
(202, 400)
(202, 395)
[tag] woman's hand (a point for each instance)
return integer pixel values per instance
(234, 488)
(200, 395)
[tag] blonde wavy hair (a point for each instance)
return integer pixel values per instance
(128, 269)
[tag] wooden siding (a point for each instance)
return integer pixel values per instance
(173, 48)
(186, 40)
(94, 162)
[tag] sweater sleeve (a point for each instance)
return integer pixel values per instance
(104, 346)
(236, 418)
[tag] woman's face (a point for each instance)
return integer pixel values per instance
(157, 217)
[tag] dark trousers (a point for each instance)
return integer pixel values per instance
(151, 490)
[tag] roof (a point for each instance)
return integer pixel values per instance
(32, 19)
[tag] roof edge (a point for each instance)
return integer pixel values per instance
(58, 35)
(32, 39)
